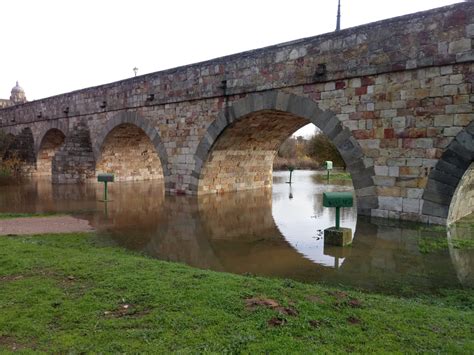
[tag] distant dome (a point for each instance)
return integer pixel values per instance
(18, 94)
(17, 88)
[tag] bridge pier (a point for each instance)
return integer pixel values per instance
(21, 150)
(74, 162)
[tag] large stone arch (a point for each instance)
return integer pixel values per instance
(443, 190)
(300, 107)
(133, 119)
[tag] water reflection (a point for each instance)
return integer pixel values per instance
(39, 195)
(302, 218)
(275, 233)
(463, 259)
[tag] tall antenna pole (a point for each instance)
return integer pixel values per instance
(338, 25)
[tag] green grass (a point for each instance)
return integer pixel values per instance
(332, 176)
(70, 293)
(8, 215)
(433, 245)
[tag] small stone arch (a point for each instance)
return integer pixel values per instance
(443, 186)
(302, 107)
(133, 118)
(51, 142)
(61, 126)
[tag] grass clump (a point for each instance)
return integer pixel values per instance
(433, 245)
(67, 293)
(8, 215)
(332, 176)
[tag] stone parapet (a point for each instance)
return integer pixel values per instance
(438, 37)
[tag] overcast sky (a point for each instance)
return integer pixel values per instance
(56, 46)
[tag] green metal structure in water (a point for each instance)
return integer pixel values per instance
(290, 169)
(338, 200)
(328, 165)
(336, 235)
(105, 178)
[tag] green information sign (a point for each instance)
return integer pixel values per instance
(338, 200)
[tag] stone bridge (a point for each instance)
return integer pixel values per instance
(395, 97)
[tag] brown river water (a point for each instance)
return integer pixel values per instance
(276, 232)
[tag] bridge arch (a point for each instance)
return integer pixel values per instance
(448, 194)
(61, 126)
(238, 127)
(47, 144)
(129, 139)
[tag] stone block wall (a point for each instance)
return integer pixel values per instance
(74, 162)
(22, 148)
(403, 122)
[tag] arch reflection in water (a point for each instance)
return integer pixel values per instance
(302, 218)
(262, 232)
(463, 259)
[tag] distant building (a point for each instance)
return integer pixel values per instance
(17, 97)
(5, 103)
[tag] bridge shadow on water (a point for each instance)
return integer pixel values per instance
(273, 232)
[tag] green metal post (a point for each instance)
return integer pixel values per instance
(328, 176)
(337, 217)
(105, 190)
(290, 168)
(106, 210)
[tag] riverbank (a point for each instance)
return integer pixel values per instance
(73, 292)
(25, 223)
(12, 215)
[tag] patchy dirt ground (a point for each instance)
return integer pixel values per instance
(40, 225)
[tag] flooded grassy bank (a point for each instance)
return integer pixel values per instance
(70, 293)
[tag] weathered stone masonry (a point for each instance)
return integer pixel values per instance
(51, 143)
(394, 96)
